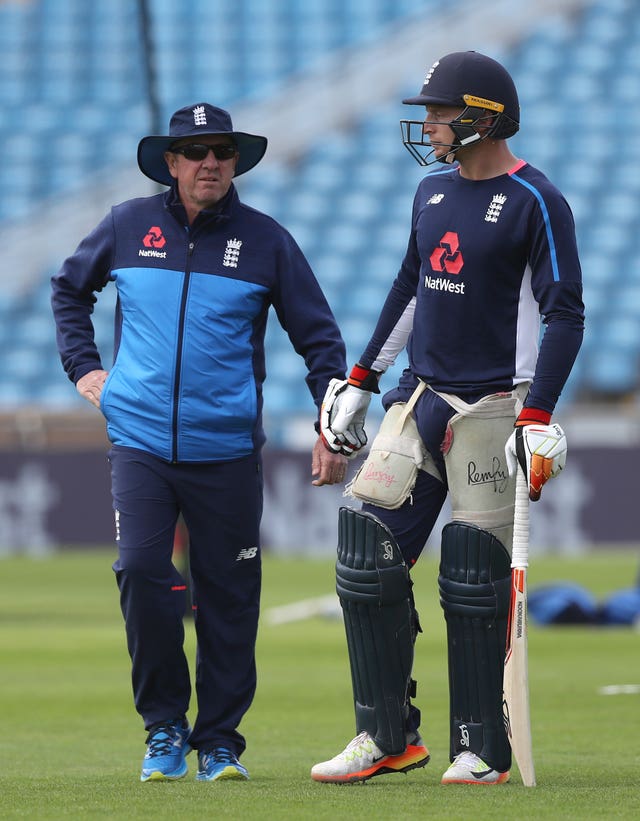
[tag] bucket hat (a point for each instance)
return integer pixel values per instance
(197, 121)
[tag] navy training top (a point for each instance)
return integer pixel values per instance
(486, 261)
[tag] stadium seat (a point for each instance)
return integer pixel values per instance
(347, 200)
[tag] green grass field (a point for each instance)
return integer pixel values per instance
(71, 742)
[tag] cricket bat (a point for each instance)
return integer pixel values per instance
(515, 698)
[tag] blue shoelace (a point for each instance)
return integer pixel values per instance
(219, 756)
(161, 740)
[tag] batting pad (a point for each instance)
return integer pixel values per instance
(475, 587)
(372, 582)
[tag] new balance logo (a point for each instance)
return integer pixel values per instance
(247, 553)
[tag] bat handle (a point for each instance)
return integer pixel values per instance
(520, 553)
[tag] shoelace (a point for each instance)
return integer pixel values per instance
(218, 756)
(357, 741)
(471, 760)
(161, 740)
(362, 743)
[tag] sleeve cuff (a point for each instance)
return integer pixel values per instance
(533, 416)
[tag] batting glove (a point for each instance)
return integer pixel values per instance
(344, 409)
(539, 449)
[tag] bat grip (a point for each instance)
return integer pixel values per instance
(520, 553)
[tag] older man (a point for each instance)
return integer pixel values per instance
(196, 272)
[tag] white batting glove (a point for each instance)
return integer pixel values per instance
(328, 436)
(541, 452)
(342, 416)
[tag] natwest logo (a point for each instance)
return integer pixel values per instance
(154, 238)
(447, 256)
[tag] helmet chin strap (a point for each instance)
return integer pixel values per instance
(465, 129)
(460, 142)
(449, 157)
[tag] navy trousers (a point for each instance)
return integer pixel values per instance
(221, 504)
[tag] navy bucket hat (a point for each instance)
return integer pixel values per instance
(197, 121)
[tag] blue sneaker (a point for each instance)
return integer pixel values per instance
(219, 763)
(167, 750)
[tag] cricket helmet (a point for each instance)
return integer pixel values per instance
(477, 84)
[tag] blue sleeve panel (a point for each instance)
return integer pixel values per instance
(192, 308)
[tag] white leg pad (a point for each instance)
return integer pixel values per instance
(482, 493)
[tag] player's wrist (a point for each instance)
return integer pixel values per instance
(336, 448)
(533, 416)
(364, 378)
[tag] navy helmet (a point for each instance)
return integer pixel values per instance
(479, 85)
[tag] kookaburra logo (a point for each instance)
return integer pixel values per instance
(464, 735)
(388, 550)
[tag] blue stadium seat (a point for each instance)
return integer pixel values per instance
(609, 373)
(348, 200)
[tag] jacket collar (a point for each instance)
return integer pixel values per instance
(222, 209)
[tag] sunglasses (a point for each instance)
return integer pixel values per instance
(198, 151)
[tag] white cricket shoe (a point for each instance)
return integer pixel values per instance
(362, 759)
(468, 768)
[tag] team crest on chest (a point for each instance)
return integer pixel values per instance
(495, 207)
(232, 253)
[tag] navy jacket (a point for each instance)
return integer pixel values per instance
(186, 383)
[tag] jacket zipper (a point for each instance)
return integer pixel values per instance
(178, 372)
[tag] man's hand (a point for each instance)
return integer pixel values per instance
(328, 468)
(541, 452)
(90, 386)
